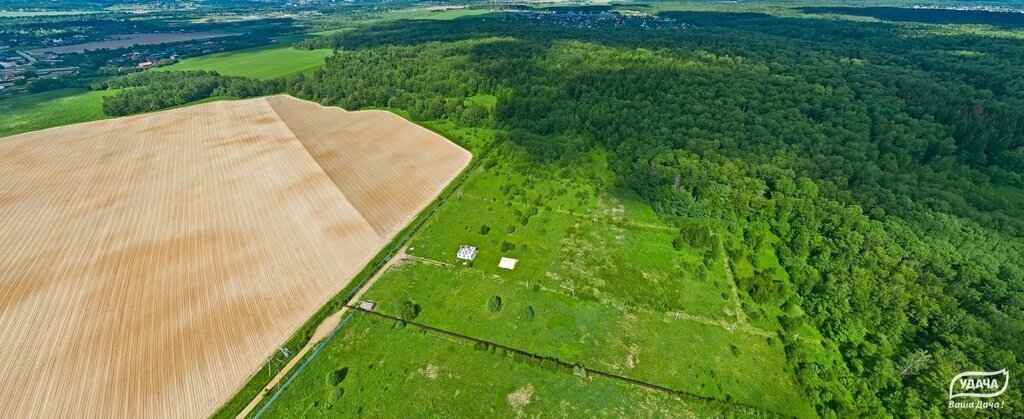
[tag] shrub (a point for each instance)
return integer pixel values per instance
(678, 243)
(494, 304)
(336, 394)
(484, 229)
(337, 376)
(528, 313)
(409, 311)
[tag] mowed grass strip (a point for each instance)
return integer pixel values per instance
(374, 363)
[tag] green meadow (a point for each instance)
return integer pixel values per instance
(50, 109)
(487, 101)
(573, 234)
(59, 107)
(600, 282)
(373, 364)
(679, 353)
(261, 63)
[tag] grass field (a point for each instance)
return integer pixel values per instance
(487, 101)
(50, 109)
(56, 108)
(681, 353)
(373, 364)
(260, 63)
(582, 238)
(599, 283)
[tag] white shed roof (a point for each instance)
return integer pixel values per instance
(508, 263)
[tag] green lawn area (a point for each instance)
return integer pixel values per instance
(598, 283)
(581, 240)
(682, 354)
(487, 101)
(472, 139)
(384, 369)
(50, 109)
(260, 63)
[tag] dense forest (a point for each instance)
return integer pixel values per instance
(884, 163)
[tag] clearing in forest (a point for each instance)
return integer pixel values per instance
(262, 63)
(152, 263)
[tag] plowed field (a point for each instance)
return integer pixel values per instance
(150, 264)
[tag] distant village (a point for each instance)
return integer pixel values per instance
(19, 67)
(593, 18)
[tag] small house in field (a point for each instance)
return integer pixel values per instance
(466, 252)
(367, 305)
(508, 263)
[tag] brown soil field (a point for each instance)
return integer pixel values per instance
(128, 40)
(150, 264)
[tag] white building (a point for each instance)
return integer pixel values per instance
(367, 305)
(466, 252)
(508, 263)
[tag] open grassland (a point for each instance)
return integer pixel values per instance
(487, 101)
(375, 368)
(599, 283)
(573, 234)
(57, 108)
(260, 63)
(681, 353)
(49, 109)
(188, 245)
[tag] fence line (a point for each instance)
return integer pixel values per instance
(309, 359)
(604, 374)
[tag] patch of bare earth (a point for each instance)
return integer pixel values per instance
(518, 399)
